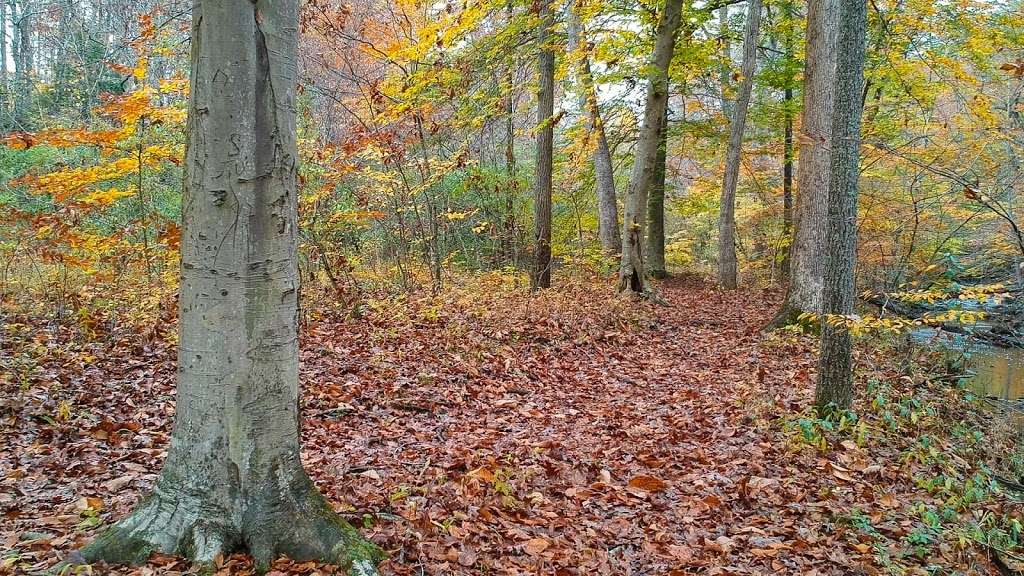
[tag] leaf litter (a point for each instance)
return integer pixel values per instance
(488, 431)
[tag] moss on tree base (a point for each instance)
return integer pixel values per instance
(296, 522)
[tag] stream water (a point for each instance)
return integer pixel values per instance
(997, 372)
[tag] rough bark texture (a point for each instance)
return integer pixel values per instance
(545, 136)
(835, 369)
(604, 176)
(727, 210)
(233, 479)
(631, 265)
(806, 252)
(656, 206)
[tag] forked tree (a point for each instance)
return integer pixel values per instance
(631, 265)
(233, 479)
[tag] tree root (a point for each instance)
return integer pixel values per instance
(786, 316)
(298, 523)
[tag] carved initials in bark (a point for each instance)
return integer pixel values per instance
(233, 479)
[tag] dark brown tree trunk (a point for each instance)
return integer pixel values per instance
(545, 160)
(233, 479)
(631, 265)
(787, 179)
(835, 369)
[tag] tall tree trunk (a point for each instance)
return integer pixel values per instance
(545, 138)
(23, 63)
(233, 479)
(787, 142)
(656, 206)
(835, 368)
(725, 71)
(727, 211)
(5, 89)
(787, 177)
(807, 250)
(631, 266)
(604, 176)
(511, 256)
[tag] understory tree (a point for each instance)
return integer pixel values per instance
(727, 267)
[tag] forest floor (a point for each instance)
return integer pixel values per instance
(486, 431)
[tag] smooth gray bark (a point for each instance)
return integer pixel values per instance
(656, 206)
(23, 64)
(545, 160)
(233, 479)
(835, 368)
(806, 252)
(631, 265)
(604, 175)
(727, 273)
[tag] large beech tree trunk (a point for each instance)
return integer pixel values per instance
(807, 250)
(631, 265)
(545, 141)
(727, 211)
(835, 368)
(233, 479)
(656, 206)
(604, 176)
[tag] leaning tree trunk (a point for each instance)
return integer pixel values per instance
(835, 368)
(604, 176)
(656, 206)
(807, 250)
(727, 210)
(631, 265)
(233, 479)
(545, 139)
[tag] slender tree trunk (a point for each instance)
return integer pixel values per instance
(727, 211)
(233, 479)
(604, 176)
(5, 88)
(511, 256)
(631, 266)
(835, 368)
(787, 177)
(656, 206)
(807, 250)
(725, 71)
(23, 62)
(545, 140)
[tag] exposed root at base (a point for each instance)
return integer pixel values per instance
(786, 316)
(311, 531)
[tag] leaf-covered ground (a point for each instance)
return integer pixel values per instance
(489, 432)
